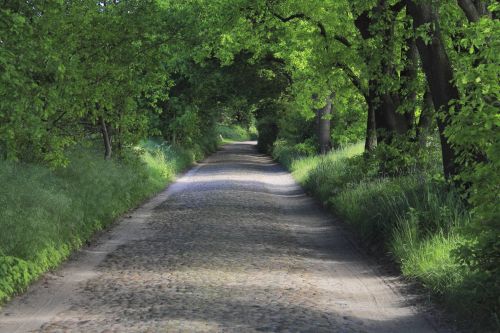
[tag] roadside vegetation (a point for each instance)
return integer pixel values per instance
(416, 218)
(48, 213)
(231, 133)
(416, 82)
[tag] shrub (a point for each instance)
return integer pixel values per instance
(286, 153)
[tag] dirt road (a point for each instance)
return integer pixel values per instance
(233, 246)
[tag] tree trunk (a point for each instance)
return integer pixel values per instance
(425, 119)
(410, 76)
(363, 22)
(106, 139)
(371, 125)
(439, 74)
(474, 10)
(324, 126)
(383, 120)
(389, 122)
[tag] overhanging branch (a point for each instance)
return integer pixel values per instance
(398, 6)
(322, 30)
(353, 77)
(470, 10)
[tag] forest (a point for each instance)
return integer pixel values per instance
(386, 111)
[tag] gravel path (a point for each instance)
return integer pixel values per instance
(233, 246)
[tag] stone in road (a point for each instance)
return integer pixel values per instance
(233, 246)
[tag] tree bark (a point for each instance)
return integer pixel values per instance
(363, 23)
(391, 121)
(324, 126)
(469, 9)
(439, 74)
(371, 124)
(425, 119)
(383, 120)
(474, 10)
(106, 139)
(410, 75)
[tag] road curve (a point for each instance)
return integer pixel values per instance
(233, 246)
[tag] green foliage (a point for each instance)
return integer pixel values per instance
(430, 260)
(123, 71)
(479, 253)
(267, 126)
(49, 213)
(402, 157)
(475, 135)
(286, 153)
(186, 127)
(236, 133)
(75, 71)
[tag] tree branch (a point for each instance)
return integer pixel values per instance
(271, 58)
(353, 77)
(470, 10)
(398, 6)
(319, 24)
(289, 18)
(342, 40)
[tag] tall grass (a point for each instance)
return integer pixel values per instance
(232, 133)
(418, 220)
(45, 214)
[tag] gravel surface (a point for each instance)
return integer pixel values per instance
(233, 246)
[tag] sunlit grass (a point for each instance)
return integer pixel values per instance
(45, 214)
(236, 133)
(321, 173)
(428, 260)
(416, 219)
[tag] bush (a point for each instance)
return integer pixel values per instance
(285, 153)
(267, 126)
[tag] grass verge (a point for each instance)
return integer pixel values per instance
(415, 218)
(46, 214)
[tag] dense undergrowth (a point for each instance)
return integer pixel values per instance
(46, 213)
(412, 215)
